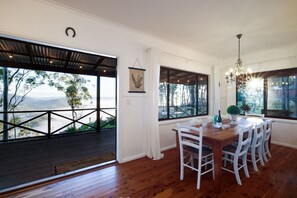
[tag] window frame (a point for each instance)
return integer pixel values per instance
(197, 75)
(265, 75)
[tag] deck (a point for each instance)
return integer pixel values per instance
(27, 161)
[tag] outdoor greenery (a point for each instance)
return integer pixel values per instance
(108, 123)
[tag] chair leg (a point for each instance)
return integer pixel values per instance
(192, 161)
(235, 167)
(267, 149)
(264, 153)
(244, 161)
(181, 176)
(225, 161)
(199, 174)
(254, 159)
(260, 155)
(206, 166)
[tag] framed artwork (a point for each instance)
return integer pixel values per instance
(136, 80)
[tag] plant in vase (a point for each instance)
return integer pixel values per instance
(233, 111)
(245, 108)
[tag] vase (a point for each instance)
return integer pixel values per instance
(233, 119)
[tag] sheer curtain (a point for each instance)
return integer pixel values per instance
(153, 149)
(216, 90)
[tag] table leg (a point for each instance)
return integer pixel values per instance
(217, 166)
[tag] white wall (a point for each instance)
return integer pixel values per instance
(284, 131)
(45, 22)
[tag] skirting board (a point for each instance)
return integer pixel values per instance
(168, 147)
(133, 157)
(284, 144)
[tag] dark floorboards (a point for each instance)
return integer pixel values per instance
(26, 161)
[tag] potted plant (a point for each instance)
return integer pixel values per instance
(245, 108)
(233, 111)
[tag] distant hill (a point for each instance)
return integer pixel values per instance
(52, 103)
(31, 103)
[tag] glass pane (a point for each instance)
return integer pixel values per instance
(202, 94)
(281, 97)
(252, 95)
(182, 94)
(107, 92)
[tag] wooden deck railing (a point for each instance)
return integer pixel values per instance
(10, 125)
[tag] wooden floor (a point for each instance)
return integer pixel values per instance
(148, 178)
(26, 161)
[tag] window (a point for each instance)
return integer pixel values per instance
(272, 93)
(252, 94)
(182, 94)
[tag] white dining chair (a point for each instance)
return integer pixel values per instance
(191, 148)
(233, 154)
(255, 150)
(266, 137)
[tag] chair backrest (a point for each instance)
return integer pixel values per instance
(267, 129)
(243, 141)
(192, 141)
(258, 135)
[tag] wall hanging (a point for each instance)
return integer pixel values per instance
(136, 78)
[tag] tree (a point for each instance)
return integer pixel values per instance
(74, 88)
(19, 82)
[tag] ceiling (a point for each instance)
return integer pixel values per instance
(206, 26)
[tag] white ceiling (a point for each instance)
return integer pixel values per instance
(207, 26)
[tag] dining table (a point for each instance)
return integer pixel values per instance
(217, 139)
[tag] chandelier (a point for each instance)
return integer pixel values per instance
(238, 75)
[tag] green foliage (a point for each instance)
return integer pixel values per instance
(233, 109)
(20, 82)
(73, 86)
(108, 123)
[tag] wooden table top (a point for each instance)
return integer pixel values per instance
(224, 134)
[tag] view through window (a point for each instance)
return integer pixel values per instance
(182, 94)
(272, 93)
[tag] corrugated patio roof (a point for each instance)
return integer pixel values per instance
(28, 55)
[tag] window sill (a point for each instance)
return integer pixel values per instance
(175, 121)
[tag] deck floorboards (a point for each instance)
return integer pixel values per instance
(27, 161)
